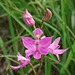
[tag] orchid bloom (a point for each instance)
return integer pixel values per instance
(54, 48)
(36, 47)
(24, 61)
(28, 18)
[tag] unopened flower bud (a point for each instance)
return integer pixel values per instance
(28, 18)
(47, 15)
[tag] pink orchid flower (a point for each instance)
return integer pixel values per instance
(37, 47)
(28, 18)
(54, 48)
(24, 61)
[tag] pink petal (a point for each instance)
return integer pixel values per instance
(38, 32)
(60, 51)
(28, 61)
(55, 43)
(37, 55)
(21, 58)
(16, 67)
(28, 42)
(29, 52)
(28, 58)
(51, 50)
(19, 54)
(58, 57)
(45, 42)
(43, 51)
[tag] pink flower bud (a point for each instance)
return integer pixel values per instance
(47, 15)
(28, 18)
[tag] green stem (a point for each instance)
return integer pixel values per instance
(34, 27)
(42, 24)
(33, 68)
(40, 64)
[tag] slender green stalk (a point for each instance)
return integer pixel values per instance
(34, 27)
(41, 62)
(42, 24)
(46, 66)
(33, 68)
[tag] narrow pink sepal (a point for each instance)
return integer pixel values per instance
(60, 51)
(58, 57)
(15, 67)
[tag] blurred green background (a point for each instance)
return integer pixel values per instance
(12, 26)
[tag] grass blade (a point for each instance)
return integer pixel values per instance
(5, 53)
(12, 34)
